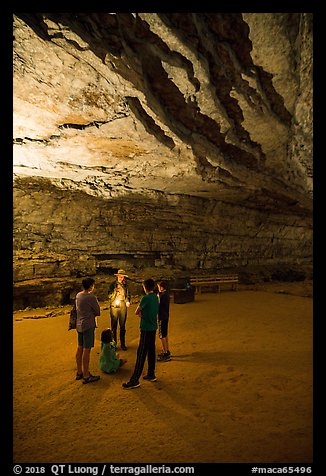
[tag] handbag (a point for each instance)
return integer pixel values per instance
(73, 317)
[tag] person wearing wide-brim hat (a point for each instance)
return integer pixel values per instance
(119, 300)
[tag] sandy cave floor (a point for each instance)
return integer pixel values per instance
(238, 388)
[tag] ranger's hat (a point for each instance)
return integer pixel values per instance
(121, 272)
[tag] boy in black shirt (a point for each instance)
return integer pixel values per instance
(163, 321)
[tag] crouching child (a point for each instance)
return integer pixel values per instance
(109, 359)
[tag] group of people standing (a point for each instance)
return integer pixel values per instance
(153, 311)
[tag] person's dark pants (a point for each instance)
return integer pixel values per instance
(146, 348)
(119, 314)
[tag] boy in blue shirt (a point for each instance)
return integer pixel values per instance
(147, 310)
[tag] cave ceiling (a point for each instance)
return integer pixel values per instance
(215, 105)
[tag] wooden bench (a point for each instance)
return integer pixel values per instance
(215, 281)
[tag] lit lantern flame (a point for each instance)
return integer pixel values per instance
(117, 302)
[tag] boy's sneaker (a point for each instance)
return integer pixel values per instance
(129, 385)
(164, 357)
(161, 354)
(91, 378)
(151, 378)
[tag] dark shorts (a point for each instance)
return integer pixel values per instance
(86, 338)
(163, 328)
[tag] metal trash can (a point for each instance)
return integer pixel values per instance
(181, 296)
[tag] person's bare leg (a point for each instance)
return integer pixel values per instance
(167, 344)
(79, 354)
(164, 346)
(161, 339)
(86, 355)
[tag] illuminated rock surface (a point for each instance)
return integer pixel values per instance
(161, 143)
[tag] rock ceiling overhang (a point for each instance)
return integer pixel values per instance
(211, 105)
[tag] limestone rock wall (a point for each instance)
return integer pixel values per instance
(64, 236)
(164, 143)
